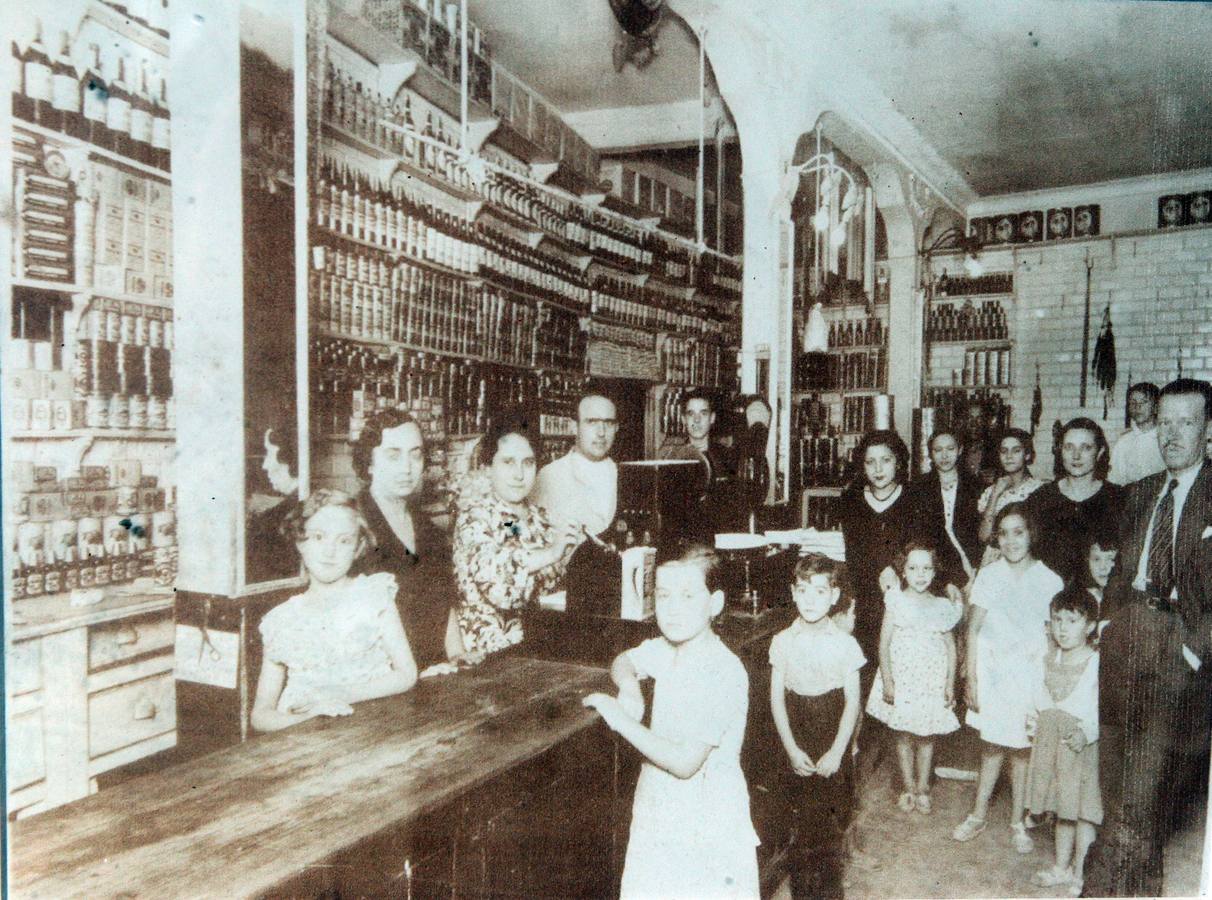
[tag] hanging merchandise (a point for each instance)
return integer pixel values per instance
(1127, 392)
(816, 332)
(1037, 403)
(1086, 331)
(1103, 365)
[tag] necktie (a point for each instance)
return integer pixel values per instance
(1161, 545)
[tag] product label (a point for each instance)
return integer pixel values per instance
(140, 125)
(94, 102)
(38, 81)
(66, 94)
(117, 114)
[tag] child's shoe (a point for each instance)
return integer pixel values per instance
(906, 802)
(1021, 840)
(1052, 877)
(968, 829)
(923, 804)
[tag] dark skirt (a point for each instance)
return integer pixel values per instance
(822, 807)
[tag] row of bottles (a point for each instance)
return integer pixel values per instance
(350, 381)
(851, 370)
(670, 418)
(969, 322)
(869, 332)
(107, 101)
(822, 461)
(703, 363)
(91, 530)
(952, 407)
(965, 285)
(434, 148)
(123, 366)
(357, 294)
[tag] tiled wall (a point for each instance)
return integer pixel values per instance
(1159, 291)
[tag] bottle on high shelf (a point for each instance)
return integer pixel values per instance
(65, 91)
(161, 126)
(93, 93)
(141, 113)
(117, 112)
(36, 81)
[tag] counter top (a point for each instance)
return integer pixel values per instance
(250, 817)
(38, 616)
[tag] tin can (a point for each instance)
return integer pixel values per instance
(138, 411)
(52, 580)
(34, 581)
(64, 537)
(126, 328)
(31, 543)
(86, 575)
(117, 539)
(119, 411)
(113, 326)
(100, 573)
(71, 577)
(96, 411)
(88, 540)
(164, 528)
(155, 333)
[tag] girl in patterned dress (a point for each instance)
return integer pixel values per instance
(341, 640)
(913, 693)
(1062, 776)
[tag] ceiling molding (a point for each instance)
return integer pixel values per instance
(657, 125)
(1096, 192)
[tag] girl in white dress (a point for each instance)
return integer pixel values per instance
(1007, 640)
(691, 835)
(341, 640)
(913, 693)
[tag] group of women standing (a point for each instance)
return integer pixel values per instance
(953, 510)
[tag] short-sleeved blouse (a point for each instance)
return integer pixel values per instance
(333, 642)
(491, 542)
(814, 662)
(938, 614)
(1016, 494)
(1016, 606)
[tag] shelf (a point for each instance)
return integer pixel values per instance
(1001, 343)
(128, 28)
(76, 289)
(571, 180)
(842, 351)
(325, 231)
(948, 298)
(122, 434)
(969, 387)
(518, 145)
(402, 165)
(323, 331)
(66, 140)
(840, 392)
(611, 269)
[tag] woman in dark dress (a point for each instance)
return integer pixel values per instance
(389, 457)
(1080, 501)
(877, 517)
(946, 502)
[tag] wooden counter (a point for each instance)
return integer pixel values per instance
(286, 813)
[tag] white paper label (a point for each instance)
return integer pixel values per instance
(38, 81)
(117, 114)
(140, 125)
(66, 94)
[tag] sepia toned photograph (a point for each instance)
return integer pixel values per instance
(653, 449)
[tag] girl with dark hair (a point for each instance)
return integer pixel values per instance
(1015, 453)
(1078, 501)
(877, 521)
(946, 502)
(505, 552)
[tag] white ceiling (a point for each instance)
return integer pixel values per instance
(1014, 94)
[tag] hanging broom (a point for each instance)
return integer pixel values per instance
(1103, 364)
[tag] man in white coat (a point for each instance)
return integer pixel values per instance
(582, 486)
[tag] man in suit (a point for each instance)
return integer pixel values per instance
(1156, 654)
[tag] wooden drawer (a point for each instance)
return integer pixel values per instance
(24, 667)
(131, 712)
(115, 642)
(26, 755)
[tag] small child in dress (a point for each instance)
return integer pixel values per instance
(341, 640)
(1007, 637)
(691, 835)
(814, 698)
(913, 693)
(1062, 776)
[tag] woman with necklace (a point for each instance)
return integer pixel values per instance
(1080, 501)
(877, 521)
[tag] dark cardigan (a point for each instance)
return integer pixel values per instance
(927, 497)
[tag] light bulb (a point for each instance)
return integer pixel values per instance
(820, 221)
(837, 236)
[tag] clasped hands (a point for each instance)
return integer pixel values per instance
(613, 710)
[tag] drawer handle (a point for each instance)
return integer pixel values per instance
(145, 709)
(127, 637)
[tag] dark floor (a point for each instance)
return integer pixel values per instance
(911, 855)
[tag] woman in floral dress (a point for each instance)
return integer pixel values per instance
(505, 552)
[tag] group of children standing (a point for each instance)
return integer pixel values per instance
(1029, 661)
(1030, 688)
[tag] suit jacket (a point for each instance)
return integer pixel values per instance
(1192, 556)
(927, 498)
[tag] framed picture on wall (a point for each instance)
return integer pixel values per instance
(1085, 220)
(1199, 208)
(1171, 211)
